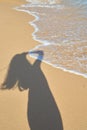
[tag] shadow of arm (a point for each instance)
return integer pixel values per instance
(39, 58)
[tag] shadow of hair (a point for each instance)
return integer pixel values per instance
(42, 110)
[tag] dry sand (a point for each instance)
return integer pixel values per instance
(68, 90)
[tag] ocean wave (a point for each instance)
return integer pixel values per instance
(62, 34)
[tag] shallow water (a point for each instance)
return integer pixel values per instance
(61, 29)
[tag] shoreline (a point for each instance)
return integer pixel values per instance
(69, 90)
(41, 43)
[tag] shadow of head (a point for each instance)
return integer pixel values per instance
(20, 72)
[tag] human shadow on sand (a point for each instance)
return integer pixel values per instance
(42, 110)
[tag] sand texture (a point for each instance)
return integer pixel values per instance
(44, 98)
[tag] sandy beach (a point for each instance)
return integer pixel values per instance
(69, 91)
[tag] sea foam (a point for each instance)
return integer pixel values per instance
(61, 29)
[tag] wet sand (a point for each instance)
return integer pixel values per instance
(68, 90)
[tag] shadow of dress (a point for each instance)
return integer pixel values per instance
(42, 110)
